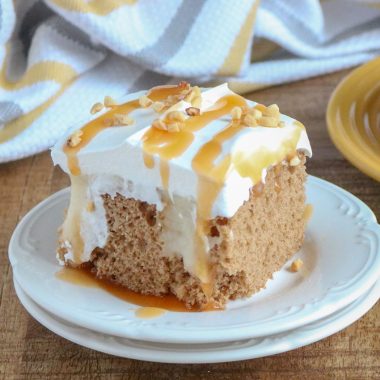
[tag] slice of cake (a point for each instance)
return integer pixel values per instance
(199, 193)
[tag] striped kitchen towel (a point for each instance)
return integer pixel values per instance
(58, 57)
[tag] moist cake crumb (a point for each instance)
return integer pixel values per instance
(256, 242)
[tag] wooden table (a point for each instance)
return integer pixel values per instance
(29, 350)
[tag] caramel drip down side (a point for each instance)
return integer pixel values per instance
(210, 181)
(71, 228)
(164, 172)
(148, 160)
(210, 176)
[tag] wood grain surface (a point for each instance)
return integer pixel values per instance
(30, 351)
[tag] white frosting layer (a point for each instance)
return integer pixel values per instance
(113, 163)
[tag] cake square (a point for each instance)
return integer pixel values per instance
(182, 190)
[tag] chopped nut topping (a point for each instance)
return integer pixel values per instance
(194, 93)
(259, 115)
(255, 113)
(214, 232)
(270, 116)
(145, 102)
(90, 206)
(121, 119)
(184, 85)
(273, 110)
(296, 265)
(258, 189)
(236, 113)
(170, 108)
(189, 97)
(62, 250)
(158, 106)
(260, 107)
(189, 94)
(174, 99)
(197, 102)
(97, 107)
(118, 119)
(268, 121)
(193, 111)
(197, 90)
(244, 109)
(250, 121)
(109, 102)
(159, 124)
(174, 127)
(222, 221)
(75, 138)
(176, 116)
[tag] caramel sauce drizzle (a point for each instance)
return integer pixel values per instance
(83, 276)
(148, 160)
(92, 128)
(171, 145)
(148, 312)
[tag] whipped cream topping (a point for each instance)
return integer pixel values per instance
(115, 161)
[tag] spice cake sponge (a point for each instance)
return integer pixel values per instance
(250, 246)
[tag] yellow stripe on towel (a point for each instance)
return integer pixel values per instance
(97, 7)
(18, 125)
(234, 60)
(42, 71)
(243, 88)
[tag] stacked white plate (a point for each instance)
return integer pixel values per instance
(338, 283)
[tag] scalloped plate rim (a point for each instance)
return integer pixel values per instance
(233, 333)
(266, 346)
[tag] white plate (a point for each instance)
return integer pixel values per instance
(341, 256)
(203, 353)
